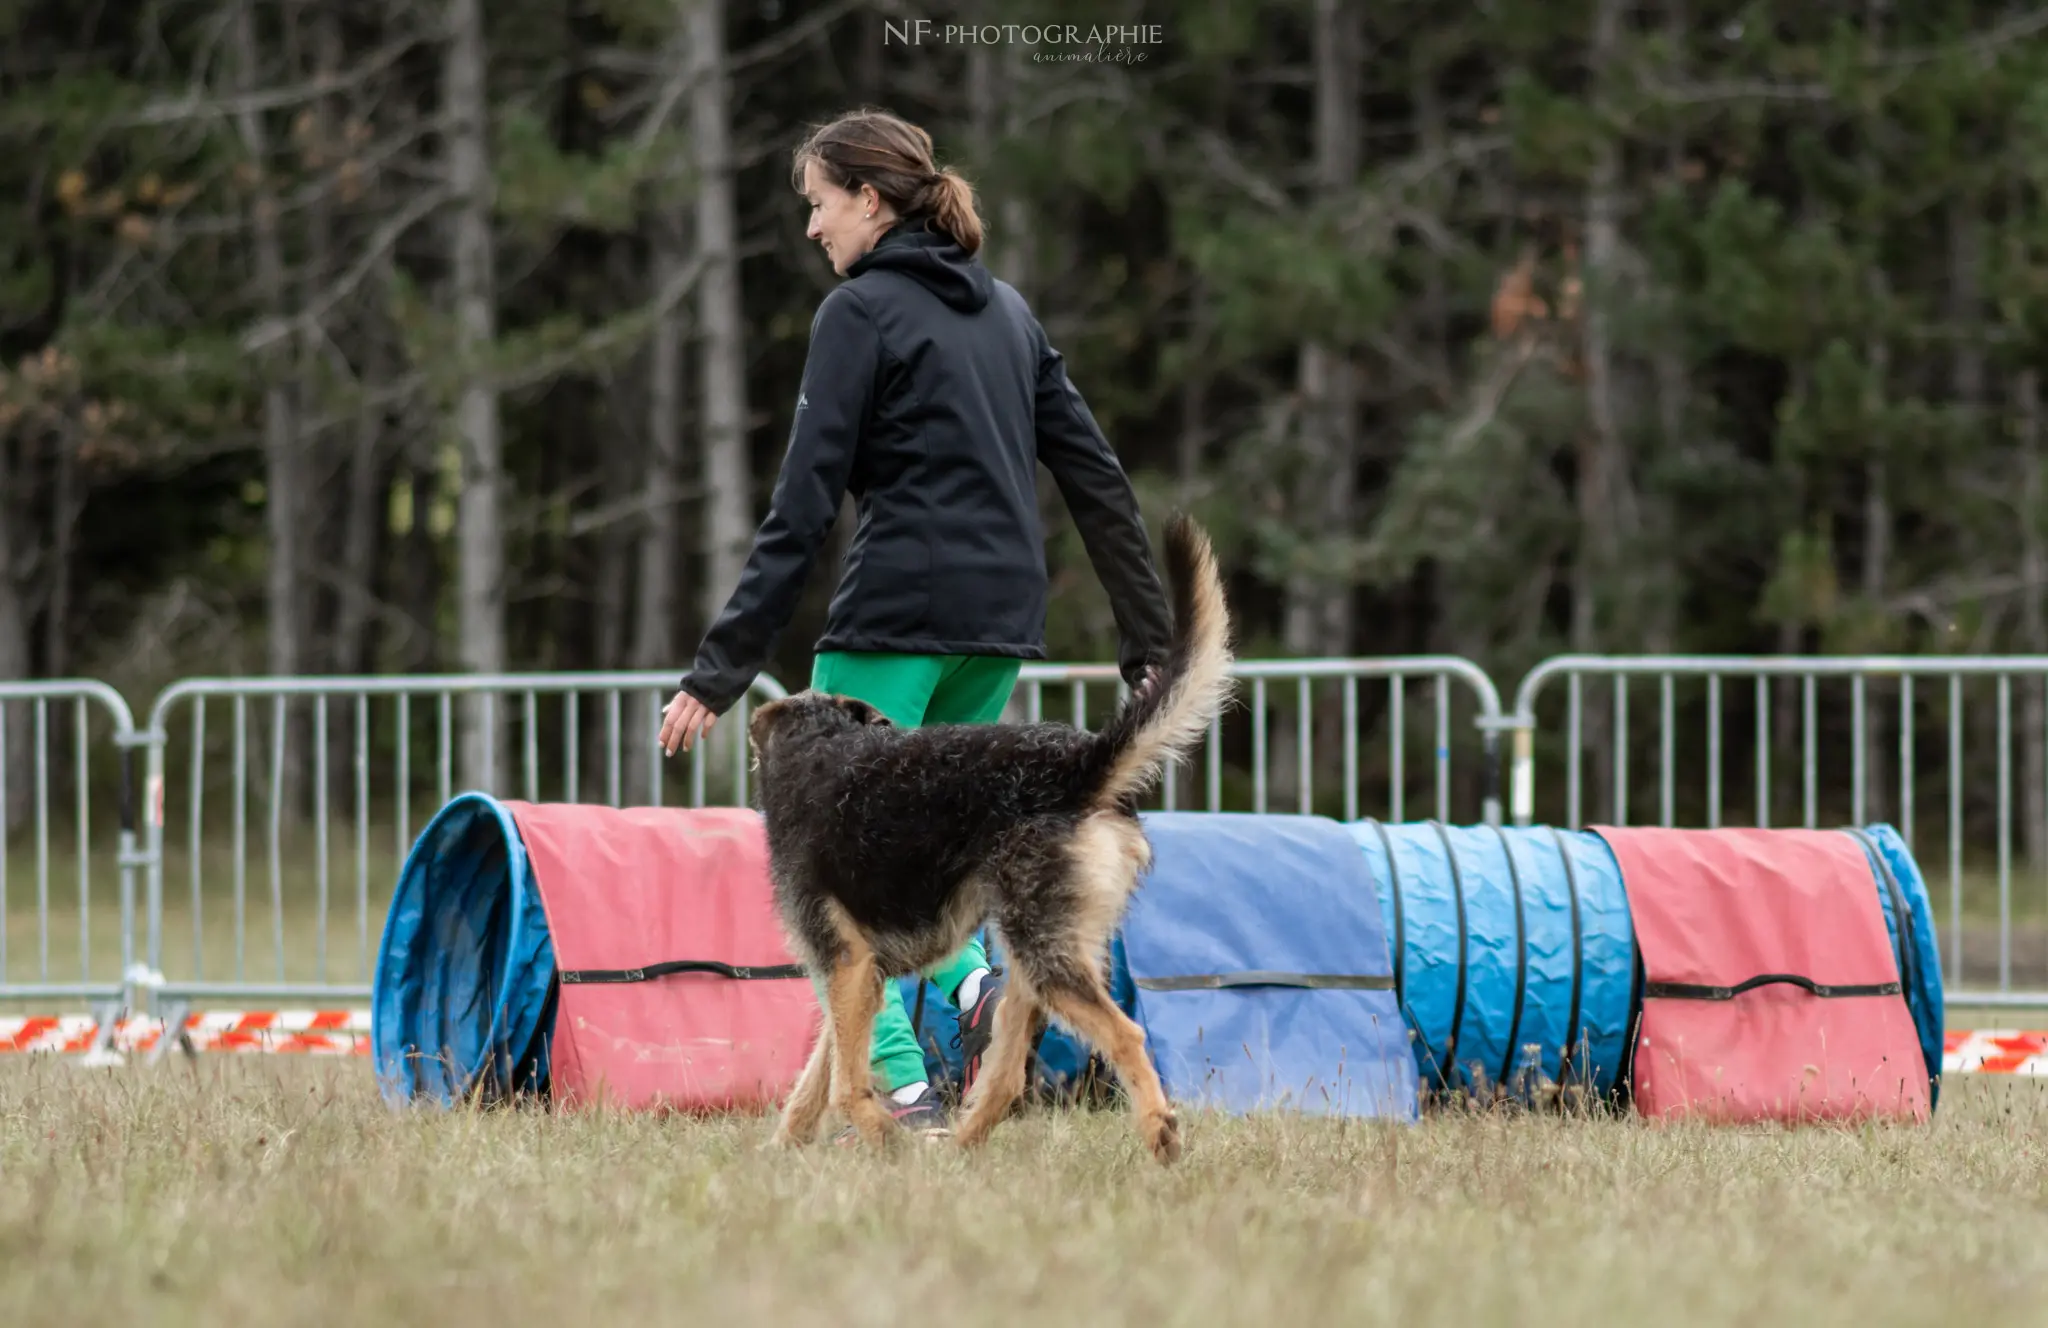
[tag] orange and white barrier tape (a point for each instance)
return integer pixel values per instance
(300, 1032)
(1995, 1051)
(347, 1033)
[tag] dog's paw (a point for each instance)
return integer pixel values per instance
(873, 1126)
(1162, 1136)
(974, 1130)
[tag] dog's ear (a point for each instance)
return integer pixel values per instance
(862, 712)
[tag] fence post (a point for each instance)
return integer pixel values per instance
(1522, 796)
(149, 973)
(1491, 726)
(127, 859)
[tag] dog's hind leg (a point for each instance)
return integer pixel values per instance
(1106, 855)
(807, 1101)
(1083, 1004)
(1002, 1071)
(853, 996)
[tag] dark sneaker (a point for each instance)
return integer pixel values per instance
(978, 1028)
(923, 1116)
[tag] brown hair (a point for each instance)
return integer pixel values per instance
(873, 147)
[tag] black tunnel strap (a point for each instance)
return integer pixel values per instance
(1571, 1023)
(1400, 941)
(740, 972)
(1507, 1064)
(1698, 991)
(1268, 978)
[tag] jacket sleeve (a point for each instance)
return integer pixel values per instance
(831, 409)
(1105, 510)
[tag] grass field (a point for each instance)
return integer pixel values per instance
(246, 1191)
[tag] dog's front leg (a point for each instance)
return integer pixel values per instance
(807, 1101)
(853, 995)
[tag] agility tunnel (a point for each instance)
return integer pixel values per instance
(1738, 974)
(1273, 961)
(588, 954)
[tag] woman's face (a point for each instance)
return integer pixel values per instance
(844, 222)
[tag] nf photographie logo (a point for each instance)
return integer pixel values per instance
(1108, 43)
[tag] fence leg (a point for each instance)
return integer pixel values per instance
(106, 1023)
(1523, 794)
(174, 1015)
(1490, 798)
(1490, 726)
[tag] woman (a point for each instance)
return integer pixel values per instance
(932, 395)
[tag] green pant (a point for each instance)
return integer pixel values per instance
(913, 690)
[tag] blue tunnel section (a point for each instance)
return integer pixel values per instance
(1514, 955)
(1902, 891)
(1255, 959)
(1261, 968)
(464, 990)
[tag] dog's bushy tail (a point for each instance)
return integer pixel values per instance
(1171, 718)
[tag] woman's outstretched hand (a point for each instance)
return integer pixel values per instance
(686, 720)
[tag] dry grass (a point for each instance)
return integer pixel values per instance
(245, 1191)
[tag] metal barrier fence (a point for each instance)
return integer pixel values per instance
(1286, 764)
(339, 768)
(328, 780)
(1898, 728)
(35, 758)
(406, 729)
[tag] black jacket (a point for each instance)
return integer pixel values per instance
(931, 393)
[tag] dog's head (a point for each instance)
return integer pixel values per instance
(808, 715)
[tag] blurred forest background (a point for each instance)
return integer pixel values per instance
(358, 336)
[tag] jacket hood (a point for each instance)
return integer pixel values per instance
(934, 260)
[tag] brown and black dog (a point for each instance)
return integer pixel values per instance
(888, 847)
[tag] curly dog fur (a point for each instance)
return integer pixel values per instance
(888, 847)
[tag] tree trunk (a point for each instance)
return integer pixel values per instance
(1787, 719)
(728, 507)
(615, 546)
(1965, 296)
(282, 483)
(1599, 461)
(16, 756)
(66, 506)
(480, 542)
(870, 78)
(661, 526)
(1430, 131)
(1877, 504)
(1193, 436)
(991, 76)
(2033, 620)
(421, 574)
(1317, 613)
(347, 529)
(363, 522)
(661, 533)
(1876, 561)
(1671, 384)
